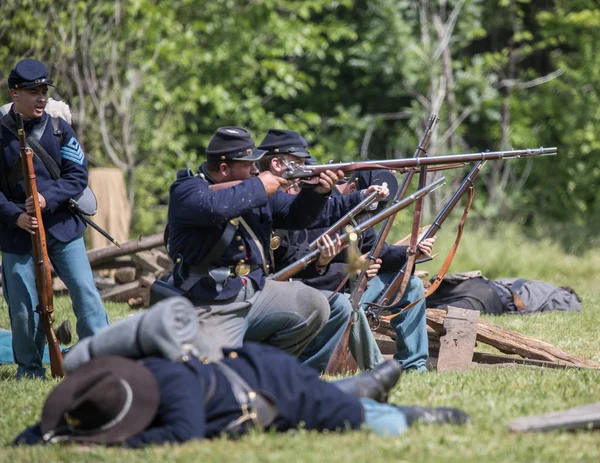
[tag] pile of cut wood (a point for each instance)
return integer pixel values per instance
(125, 274)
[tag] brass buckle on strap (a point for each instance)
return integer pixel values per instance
(242, 269)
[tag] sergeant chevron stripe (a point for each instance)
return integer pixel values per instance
(72, 151)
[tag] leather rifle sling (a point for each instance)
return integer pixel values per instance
(440, 276)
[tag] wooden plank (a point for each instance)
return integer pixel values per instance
(511, 342)
(458, 343)
(493, 359)
(506, 341)
(106, 254)
(582, 417)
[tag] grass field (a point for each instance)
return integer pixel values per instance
(492, 396)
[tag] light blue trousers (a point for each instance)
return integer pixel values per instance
(412, 345)
(385, 420)
(18, 273)
(362, 343)
(321, 348)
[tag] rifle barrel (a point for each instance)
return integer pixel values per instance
(404, 164)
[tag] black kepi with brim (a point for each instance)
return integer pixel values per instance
(232, 144)
(284, 141)
(29, 73)
(105, 401)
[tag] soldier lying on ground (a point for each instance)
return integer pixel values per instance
(471, 290)
(172, 395)
(115, 400)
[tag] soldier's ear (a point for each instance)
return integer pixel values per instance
(276, 165)
(224, 169)
(14, 94)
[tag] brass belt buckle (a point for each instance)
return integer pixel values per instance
(242, 269)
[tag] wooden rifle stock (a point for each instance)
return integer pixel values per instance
(294, 268)
(222, 186)
(390, 291)
(43, 275)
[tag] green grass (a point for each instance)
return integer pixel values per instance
(492, 396)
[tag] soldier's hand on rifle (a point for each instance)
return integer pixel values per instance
(382, 191)
(329, 249)
(425, 247)
(327, 181)
(29, 204)
(27, 223)
(272, 183)
(373, 269)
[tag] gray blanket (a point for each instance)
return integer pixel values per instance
(161, 330)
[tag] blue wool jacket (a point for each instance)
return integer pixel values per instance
(198, 215)
(301, 397)
(58, 220)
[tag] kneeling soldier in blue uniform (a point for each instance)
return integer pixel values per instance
(61, 173)
(219, 236)
(114, 400)
(287, 147)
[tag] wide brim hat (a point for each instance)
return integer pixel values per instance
(62, 419)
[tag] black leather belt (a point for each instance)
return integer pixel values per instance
(256, 409)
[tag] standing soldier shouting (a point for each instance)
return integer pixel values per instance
(61, 172)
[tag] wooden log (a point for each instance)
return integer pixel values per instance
(145, 284)
(125, 275)
(105, 283)
(163, 259)
(58, 286)
(147, 262)
(118, 262)
(108, 253)
(122, 293)
(511, 342)
(385, 344)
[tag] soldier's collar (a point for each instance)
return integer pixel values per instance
(203, 174)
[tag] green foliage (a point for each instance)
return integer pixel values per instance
(149, 81)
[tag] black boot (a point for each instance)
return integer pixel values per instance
(375, 384)
(63, 333)
(433, 415)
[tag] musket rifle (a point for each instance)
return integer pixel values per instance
(402, 165)
(43, 272)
